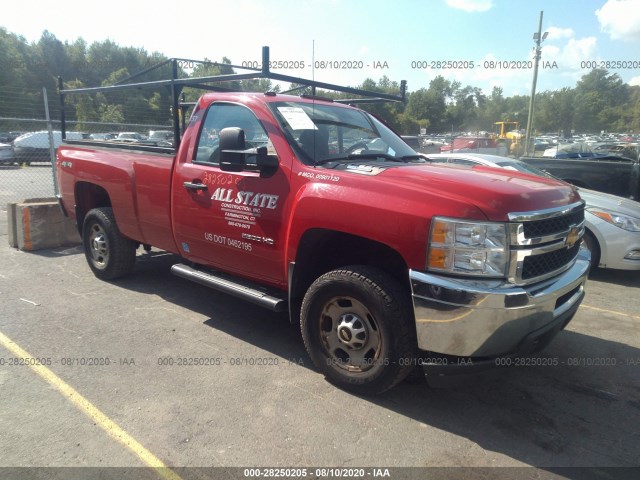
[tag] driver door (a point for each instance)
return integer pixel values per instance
(230, 221)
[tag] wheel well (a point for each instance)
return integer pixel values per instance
(88, 196)
(594, 245)
(321, 251)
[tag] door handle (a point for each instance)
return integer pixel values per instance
(194, 186)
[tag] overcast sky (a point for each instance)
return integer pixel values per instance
(397, 38)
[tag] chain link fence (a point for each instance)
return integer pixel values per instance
(25, 165)
(29, 139)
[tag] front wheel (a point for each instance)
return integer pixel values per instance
(109, 254)
(357, 326)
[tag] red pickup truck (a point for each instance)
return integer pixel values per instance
(386, 260)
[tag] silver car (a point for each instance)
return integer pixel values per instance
(6, 154)
(612, 223)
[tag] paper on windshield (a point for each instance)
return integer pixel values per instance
(297, 118)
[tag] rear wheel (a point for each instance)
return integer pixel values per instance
(357, 325)
(109, 254)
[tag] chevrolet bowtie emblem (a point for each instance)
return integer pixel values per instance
(572, 237)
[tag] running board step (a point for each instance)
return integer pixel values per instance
(232, 287)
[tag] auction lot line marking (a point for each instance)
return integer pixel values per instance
(86, 407)
(636, 317)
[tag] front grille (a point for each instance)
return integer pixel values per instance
(539, 242)
(550, 226)
(539, 265)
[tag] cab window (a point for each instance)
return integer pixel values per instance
(223, 115)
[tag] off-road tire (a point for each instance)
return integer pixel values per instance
(358, 328)
(109, 254)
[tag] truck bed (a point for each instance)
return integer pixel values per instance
(138, 182)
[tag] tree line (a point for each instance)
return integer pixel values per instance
(600, 101)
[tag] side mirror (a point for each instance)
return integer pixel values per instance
(234, 154)
(267, 164)
(232, 146)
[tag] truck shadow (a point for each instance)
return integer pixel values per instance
(582, 411)
(625, 278)
(268, 330)
(580, 407)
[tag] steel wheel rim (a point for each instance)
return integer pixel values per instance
(99, 246)
(350, 335)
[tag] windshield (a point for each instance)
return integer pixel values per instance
(323, 133)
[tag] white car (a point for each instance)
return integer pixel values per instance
(612, 223)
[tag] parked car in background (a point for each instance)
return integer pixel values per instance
(540, 144)
(412, 141)
(34, 146)
(430, 145)
(6, 154)
(612, 223)
(103, 136)
(579, 150)
(475, 144)
(156, 135)
(8, 137)
(130, 137)
(422, 145)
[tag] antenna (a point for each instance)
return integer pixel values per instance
(313, 60)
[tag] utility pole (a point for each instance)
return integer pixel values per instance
(538, 37)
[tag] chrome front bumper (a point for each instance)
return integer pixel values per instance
(484, 318)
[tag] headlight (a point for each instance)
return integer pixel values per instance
(468, 248)
(625, 222)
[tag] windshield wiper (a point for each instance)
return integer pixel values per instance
(415, 156)
(367, 156)
(372, 155)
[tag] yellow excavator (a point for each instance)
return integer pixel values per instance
(509, 133)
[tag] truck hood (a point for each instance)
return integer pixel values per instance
(495, 191)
